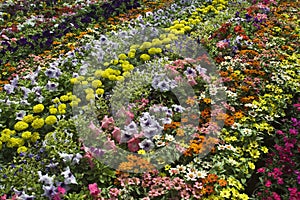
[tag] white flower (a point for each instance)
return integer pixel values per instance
(181, 168)
(160, 143)
(45, 179)
(169, 137)
(69, 178)
(191, 176)
(201, 173)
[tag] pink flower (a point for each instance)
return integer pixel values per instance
(117, 134)
(94, 190)
(261, 170)
(133, 145)
(61, 190)
(89, 156)
(268, 183)
(222, 44)
(114, 192)
(279, 132)
(107, 122)
(3, 197)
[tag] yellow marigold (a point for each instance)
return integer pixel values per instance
(52, 111)
(100, 91)
(50, 120)
(4, 137)
(96, 83)
(64, 98)
(38, 108)
(145, 57)
(38, 123)
(35, 136)
(28, 118)
(22, 149)
(26, 135)
(122, 56)
(20, 126)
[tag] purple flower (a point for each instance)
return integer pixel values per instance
(52, 86)
(146, 144)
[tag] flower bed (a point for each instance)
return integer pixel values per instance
(179, 100)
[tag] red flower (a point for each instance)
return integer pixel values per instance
(238, 29)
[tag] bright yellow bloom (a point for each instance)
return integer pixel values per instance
(141, 151)
(145, 57)
(122, 56)
(26, 135)
(38, 108)
(64, 98)
(50, 120)
(225, 193)
(99, 91)
(38, 123)
(22, 149)
(35, 136)
(251, 165)
(20, 126)
(53, 111)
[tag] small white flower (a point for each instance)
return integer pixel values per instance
(201, 173)
(169, 137)
(191, 176)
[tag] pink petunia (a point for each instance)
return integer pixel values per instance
(94, 190)
(133, 145)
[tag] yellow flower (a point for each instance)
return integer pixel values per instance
(22, 149)
(56, 100)
(255, 153)
(152, 51)
(62, 108)
(74, 81)
(64, 98)
(4, 137)
(35, 136)
(20, 126)
(0, 145)
(167, 167)
(26, 135)
(225, 193)
(50, 120)
(145, 45)
(122, 56)
(53, 111)
(145, 57)
(251, 165)
(243, 196)
(131, 54)
(38, 123)
(38, 108)
(265, 149)
(141, 151)
(99, 91)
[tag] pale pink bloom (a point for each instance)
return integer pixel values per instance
(222, 44)
(106, 122)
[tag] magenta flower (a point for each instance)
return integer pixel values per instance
(94, 190)
(268, 183)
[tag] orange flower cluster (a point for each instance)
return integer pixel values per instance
(136, 164)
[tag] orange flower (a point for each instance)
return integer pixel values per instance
(179, 132)
(209, 189)
(207, 100)
(238, 115)
(211, 178)
(222, 182)
(229, 121)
